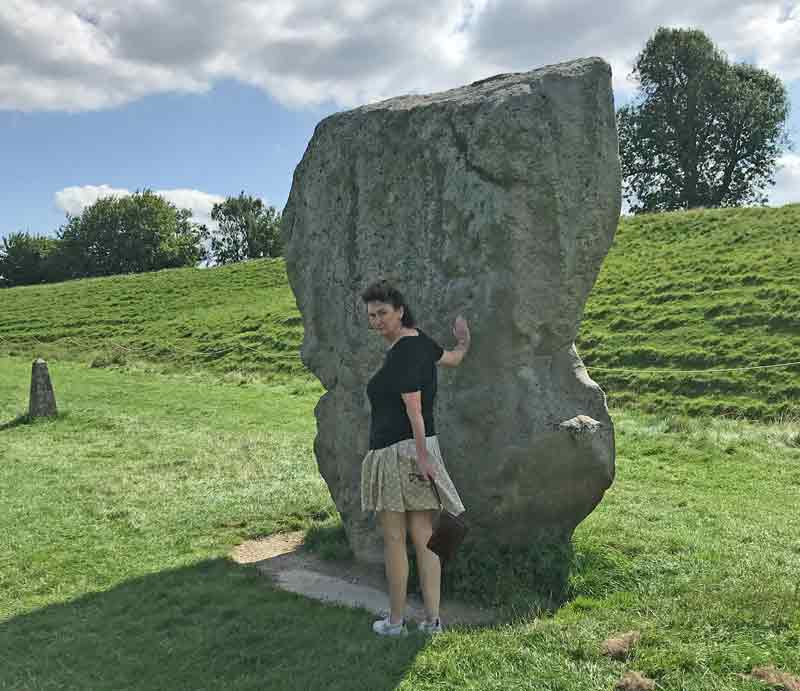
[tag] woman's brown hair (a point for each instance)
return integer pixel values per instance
(383, 291)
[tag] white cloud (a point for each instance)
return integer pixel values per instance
(200, 203)
(770, 31)
(90, 54)
(53, 58)
(523, 35)
(74, 199)
(787, 181)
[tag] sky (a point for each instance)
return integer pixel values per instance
(202, 99)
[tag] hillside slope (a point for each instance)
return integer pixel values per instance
(700, 290)
(697, 290)
(235, 318)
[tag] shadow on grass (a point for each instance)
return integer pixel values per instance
(215, 625)
(16, 422)
(26, 419)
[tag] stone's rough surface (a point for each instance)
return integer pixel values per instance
(498, 201)
(42, 400)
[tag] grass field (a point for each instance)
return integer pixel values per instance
(699, 290)
(187, 426)
(118, 516)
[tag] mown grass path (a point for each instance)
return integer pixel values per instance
(116, 520)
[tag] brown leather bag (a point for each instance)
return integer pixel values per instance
(448, 533)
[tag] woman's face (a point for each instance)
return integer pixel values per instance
(383, 317)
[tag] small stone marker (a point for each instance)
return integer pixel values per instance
(43, 400)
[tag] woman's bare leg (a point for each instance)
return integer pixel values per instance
(420, 524)
(394, 553)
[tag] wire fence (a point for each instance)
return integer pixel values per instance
(693, 371)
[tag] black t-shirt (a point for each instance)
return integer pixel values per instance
(409, 365)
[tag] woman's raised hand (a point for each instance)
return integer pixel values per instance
(461, 330)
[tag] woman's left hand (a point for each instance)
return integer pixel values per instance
(426, 469)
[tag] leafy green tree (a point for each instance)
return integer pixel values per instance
(130, 234)
(27, 259)
(247, 230)
(701, 131)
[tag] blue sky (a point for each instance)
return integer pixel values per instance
(202, 100)
(233, 138)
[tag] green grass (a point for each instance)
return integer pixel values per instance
(240, 319)
(698, 290)
(187, 426)
(118, 516)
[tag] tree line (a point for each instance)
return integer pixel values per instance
(700, 132)
(137, 233)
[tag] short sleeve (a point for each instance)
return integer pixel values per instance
(407, 370)
(436, 350)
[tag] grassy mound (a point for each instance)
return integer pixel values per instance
(700, 290)
(240, 318)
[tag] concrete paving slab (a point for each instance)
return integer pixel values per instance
(348, 583)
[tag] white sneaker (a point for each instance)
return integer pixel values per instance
(431, 627)
(384, 628)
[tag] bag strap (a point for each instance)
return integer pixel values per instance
(438, 498)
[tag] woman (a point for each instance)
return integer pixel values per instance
(404, 455)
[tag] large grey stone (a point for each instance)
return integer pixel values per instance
(498, 201)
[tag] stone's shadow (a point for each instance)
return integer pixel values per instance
(522, 580)
(215, 624)
(26, 419)
(16, 422)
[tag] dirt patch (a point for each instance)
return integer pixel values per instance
(293, 568)
(781, 681)
(620, 647)
(635, 681)
(258, 550)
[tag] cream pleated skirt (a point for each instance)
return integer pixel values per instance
(391, 481)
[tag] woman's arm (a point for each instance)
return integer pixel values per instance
(453, 358)
(413, 402)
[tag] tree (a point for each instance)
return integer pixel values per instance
(130, 234)
(247, 230)
(702, 131)
(27, 259)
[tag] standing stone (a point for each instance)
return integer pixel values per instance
(497, 200)
(43, 400)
